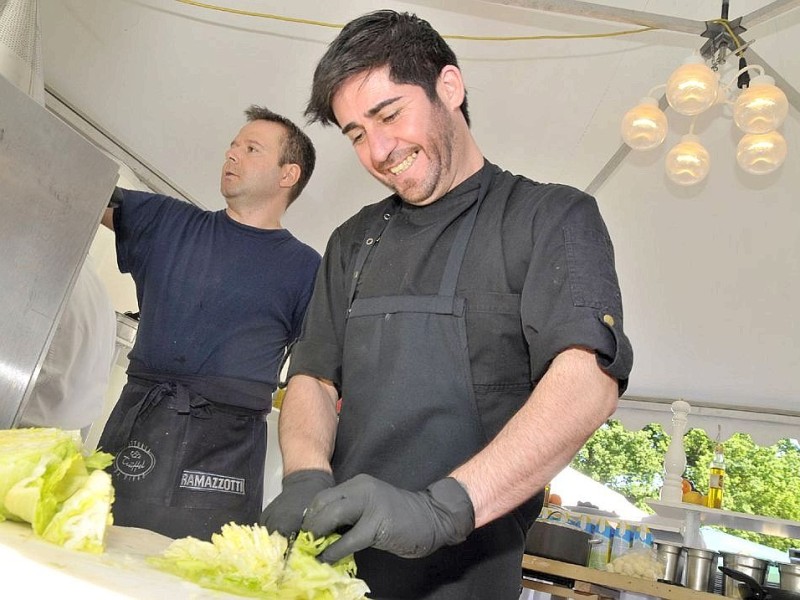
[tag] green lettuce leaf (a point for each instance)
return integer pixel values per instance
(46, 481)
(248, 560)
(307, 578)
(26, 455)
(81, 523)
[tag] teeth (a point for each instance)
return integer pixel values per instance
(403, 165)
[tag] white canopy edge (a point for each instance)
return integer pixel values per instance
(765, 428)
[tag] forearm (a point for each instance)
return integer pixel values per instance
(570, 402)
(108, 218)
(307, 424)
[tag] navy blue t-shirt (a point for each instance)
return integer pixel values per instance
(216, 297)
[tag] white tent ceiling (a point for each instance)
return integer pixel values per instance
(709, 274)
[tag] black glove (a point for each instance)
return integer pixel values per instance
(285, 513)
(408, 524)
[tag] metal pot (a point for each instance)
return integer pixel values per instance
(671, 556)
(755, 591)
(790, 576)
(558, 541)
(749, 566)
(701, 569)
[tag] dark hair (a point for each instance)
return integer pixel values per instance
(297, 146)
(413, 50)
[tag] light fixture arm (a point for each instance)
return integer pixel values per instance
(735, 76)
(691, 125)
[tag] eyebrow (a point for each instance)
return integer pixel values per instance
(372, 112)
(248, 142)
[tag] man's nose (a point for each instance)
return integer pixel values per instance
(381, 146)
(231, 155)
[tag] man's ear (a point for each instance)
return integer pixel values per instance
(290, 174)
(450, 87)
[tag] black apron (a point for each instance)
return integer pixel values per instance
(409, 417)
(184, 465)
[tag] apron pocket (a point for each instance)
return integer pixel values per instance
(201, 458)
(222, 463)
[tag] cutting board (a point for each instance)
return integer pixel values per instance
(31, 567)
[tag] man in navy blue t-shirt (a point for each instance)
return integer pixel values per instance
(221, 295)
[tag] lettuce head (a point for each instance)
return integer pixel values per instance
(41, 471)
(248, 560)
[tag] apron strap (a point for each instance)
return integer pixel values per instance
(141, 409)
(458, 251)
(246, 395)
(455, 259)
(370, 241)
(185, 402)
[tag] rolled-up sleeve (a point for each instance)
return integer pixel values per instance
(571, 296)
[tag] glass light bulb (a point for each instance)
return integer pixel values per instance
(688, 162)
(761, 107)
(761, 153)
(692, 87)
(644, 126)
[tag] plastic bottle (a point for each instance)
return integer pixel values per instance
(716, 478)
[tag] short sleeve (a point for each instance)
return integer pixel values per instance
(318, 350)
(571, 296)
(135, 220)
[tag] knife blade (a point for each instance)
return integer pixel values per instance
(286, 554)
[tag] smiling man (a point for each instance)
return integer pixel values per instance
(221, 295)
(471, 323)
(402, 138)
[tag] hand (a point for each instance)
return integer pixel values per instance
(408, 524)
(285, 513)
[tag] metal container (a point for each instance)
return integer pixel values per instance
(671, 556)
(558, 541)
(794, 555)
(755, 568)
(790, 576)
(701, 569)
(54, 186)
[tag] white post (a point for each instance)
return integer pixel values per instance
(675, 458)
(691, 530)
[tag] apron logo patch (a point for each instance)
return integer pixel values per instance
(209, 482)
(134, 462)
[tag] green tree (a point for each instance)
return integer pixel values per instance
(759, 480)
(630, 462)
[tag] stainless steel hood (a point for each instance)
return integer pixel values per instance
(54, 186)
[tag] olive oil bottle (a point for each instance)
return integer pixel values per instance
(716, 478)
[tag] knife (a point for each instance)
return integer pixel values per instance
(289, 547)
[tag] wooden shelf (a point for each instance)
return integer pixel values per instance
(580, 591)
(591, 582)
(702, 515)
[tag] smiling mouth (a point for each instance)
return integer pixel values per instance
(403, 166)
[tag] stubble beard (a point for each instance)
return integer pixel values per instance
(440, 155)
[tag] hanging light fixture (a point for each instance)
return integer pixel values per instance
(645, 125)
(688, 162)
(694, 87)
(762, 107)
(761, 153)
